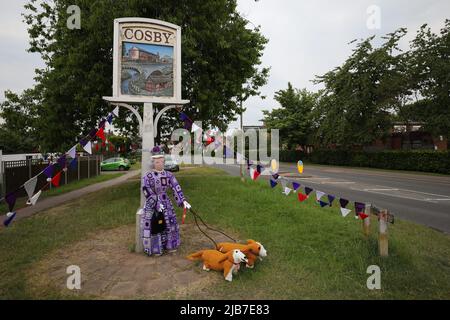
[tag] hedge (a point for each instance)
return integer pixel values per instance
(414, 160)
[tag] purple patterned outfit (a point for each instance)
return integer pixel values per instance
(155, 185)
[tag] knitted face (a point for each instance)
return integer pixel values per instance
(158, 164)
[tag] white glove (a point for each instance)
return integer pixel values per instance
(186, 204)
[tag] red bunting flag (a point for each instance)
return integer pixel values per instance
(362, 215)
(101, 134)
(96, 147)
(56, 178)
(302, 197)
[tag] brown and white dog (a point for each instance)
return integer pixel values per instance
(226, 262)
(252, 250)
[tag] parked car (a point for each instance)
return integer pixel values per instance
(170, 164)
(120, 164)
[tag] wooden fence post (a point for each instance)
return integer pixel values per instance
(383, 242)
(78, 169)
(366, 221)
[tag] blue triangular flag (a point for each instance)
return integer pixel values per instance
(308, 190)
(295, 185)
(9, 219)
(73, 163)
(323, 203)
(110, 118)
(273, 183)
(183, 116)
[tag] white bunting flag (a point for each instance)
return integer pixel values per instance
(252, 173)
(287, 190)
(116, 111)
(34, 198)
(88, 147)
(195, 127)
(72, 152)
(345, 211)
(319, 194)
(30, 185)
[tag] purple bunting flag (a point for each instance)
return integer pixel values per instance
(92, 133)
(183, 116)
(10, 199)
(359, 207)
(49, 171)
(62, 161)
(295, 185)
(308, 190)
(83, 142)
(343, 202)
(331, 199)
(275, 176)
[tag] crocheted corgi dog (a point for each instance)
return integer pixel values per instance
(252, 250)
(226, 262)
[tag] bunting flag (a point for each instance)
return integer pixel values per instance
(62, 161)
(345, 211)
(319, 194)
(359, 207)
(92, 133)
(273, 183)
(83, 142)
(101, 134)
(274, 165)
(323, 203)
(116, 111)
(287, 190)
(195, 128)
(109, 118)
(111, 147)
(300, 166)
(302, 197)
(72, 152)
(259, 168)
(254, 174)
(56, 179)
(34, 198)
(88, 147)
(331, 199)
(275, 176)
(9, 218)
(30, 186)
(308, 190)
(295, 185)
(49, 171)
(101, 125)
(96, 147)
(10, 199)
(73, 163)
(343, 202)
(363, 216)
(209, 140)
(183, 116)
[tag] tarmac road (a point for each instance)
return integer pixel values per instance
(421, 198)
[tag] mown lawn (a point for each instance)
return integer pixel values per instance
(314, 253)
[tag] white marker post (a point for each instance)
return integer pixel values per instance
(146, 69)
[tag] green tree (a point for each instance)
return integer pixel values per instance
(293, 118)
(220, 57)
(18, 133)
(429, 66)
(360, 96)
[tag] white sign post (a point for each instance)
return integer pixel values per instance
(146, 69)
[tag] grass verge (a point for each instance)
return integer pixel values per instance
(314, 253)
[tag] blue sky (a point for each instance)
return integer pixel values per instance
(306, 38)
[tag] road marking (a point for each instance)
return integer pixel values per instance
(338, 182)
(387, 189)
(443, 199)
